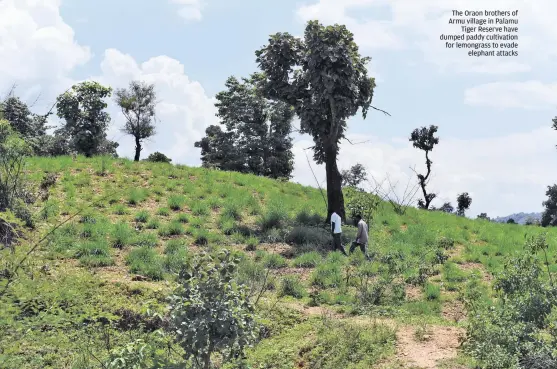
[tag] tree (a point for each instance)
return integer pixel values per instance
(14, 152)
(511, 221)
(549, 216)
(210, 312)
(483, 216)
(446, 208)
(324, 77)
(353, 176)
(218, 150)
(463, 203)
(424, 139)
(27, 124)
(257, 138)
(138, 105)
(86, 121)
(158, 157)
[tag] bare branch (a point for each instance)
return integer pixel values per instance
(357, 143)
(382, 111)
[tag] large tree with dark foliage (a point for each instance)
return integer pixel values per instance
(463, 203)
(549, 216)
(354, 176)
(446, 208)
(424, 139)
(138, 104)
(324, 77)
(27, 124)
(86, 122)
(257, 137)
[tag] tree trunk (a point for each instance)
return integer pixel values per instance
(207, 361)
(137, 148)
(335, 199)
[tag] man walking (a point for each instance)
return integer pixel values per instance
(337, 233)
(361, 237)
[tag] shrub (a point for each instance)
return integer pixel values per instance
(158, 157)
(518, 330)
(14, 194)
(207, 291)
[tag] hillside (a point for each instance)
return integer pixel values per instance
(96, 283)
(519, 218)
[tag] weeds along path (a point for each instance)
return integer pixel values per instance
(416, 347)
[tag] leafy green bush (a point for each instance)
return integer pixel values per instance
(211, 313)
(158, 157)
(518, 330)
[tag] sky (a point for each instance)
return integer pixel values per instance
(494, 113)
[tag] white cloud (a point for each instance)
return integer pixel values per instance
(184, 110)
(525, 95)
(190, 10)
(419, 24)
(35, 42)
(491, 170)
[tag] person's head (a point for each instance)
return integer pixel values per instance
(358, 217)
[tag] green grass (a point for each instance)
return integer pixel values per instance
(153, 229)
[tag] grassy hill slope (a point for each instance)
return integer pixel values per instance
(98, 280)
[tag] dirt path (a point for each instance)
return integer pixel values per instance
(425, 351)
(438, 343)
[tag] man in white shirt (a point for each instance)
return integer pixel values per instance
(337, 233)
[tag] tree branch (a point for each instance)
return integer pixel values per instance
(382, 111)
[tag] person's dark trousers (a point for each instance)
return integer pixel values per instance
(363, 247)
(337, 244)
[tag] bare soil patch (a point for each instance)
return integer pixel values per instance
(440, 343)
